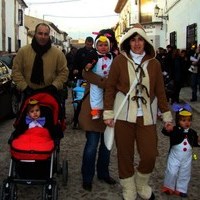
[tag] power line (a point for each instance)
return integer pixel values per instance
(78, 17)
(52, 2)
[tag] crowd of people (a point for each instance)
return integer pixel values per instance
(180, 68)
(112, 71)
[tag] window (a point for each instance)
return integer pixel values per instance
(19, 44)
(173, 39)
(9, 44)
(20, 17)
(191, 37)
(145, 11)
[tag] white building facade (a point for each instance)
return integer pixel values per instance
(184, 22)
(176, 22)
(13, 34)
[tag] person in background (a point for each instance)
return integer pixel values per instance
(185, 64)
(94, 130)
(70, 61)
(168, 82)
(177, 75)
(160, 55)
(81, 56)
(136, 123)
(40, 65)
(182, 139)
(169, 60)
(100, 64)
(78, 95)
(195, 74)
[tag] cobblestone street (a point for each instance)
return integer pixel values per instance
(72, 148)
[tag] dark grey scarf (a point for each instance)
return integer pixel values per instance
(37, 75)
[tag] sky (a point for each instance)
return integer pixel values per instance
(79, 18)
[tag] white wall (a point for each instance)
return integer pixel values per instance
(156, 33)
(21, 31)
(10, 25)
(23, 35)
(184, 13)
(12, 30)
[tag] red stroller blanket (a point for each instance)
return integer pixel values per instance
(34, 144)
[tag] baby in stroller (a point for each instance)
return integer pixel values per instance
(35, 146)
(33, 118)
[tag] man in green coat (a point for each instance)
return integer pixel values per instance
(40, 65)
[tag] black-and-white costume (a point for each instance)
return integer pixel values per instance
(178, 171)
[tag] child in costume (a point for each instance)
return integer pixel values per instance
(99, 62)
(182, 140)
(33, 118)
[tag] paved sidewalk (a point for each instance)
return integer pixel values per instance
(186, 94)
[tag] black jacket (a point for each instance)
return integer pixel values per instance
(178, 135)
(79, 60)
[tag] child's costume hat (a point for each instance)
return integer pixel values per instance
(185, 113)
(183, 110)
(102, 38)
(33, 102)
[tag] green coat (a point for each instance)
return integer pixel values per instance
(54, 66)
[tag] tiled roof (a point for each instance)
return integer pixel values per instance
(31, 22)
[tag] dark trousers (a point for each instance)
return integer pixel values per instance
(195, 83)
(92, 146)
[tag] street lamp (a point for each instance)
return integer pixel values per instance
(156, 12)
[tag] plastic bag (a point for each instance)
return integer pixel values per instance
(109, 137)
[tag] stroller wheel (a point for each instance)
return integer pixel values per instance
(8, 191)
(50, 192)
(65, 171)
(57, 166)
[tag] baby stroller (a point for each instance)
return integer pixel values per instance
(35, 151)
(77, 96)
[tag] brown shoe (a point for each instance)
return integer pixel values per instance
(87, 186)
(193, 100)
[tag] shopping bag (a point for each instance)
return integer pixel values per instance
(109, 131)
(109, 137)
